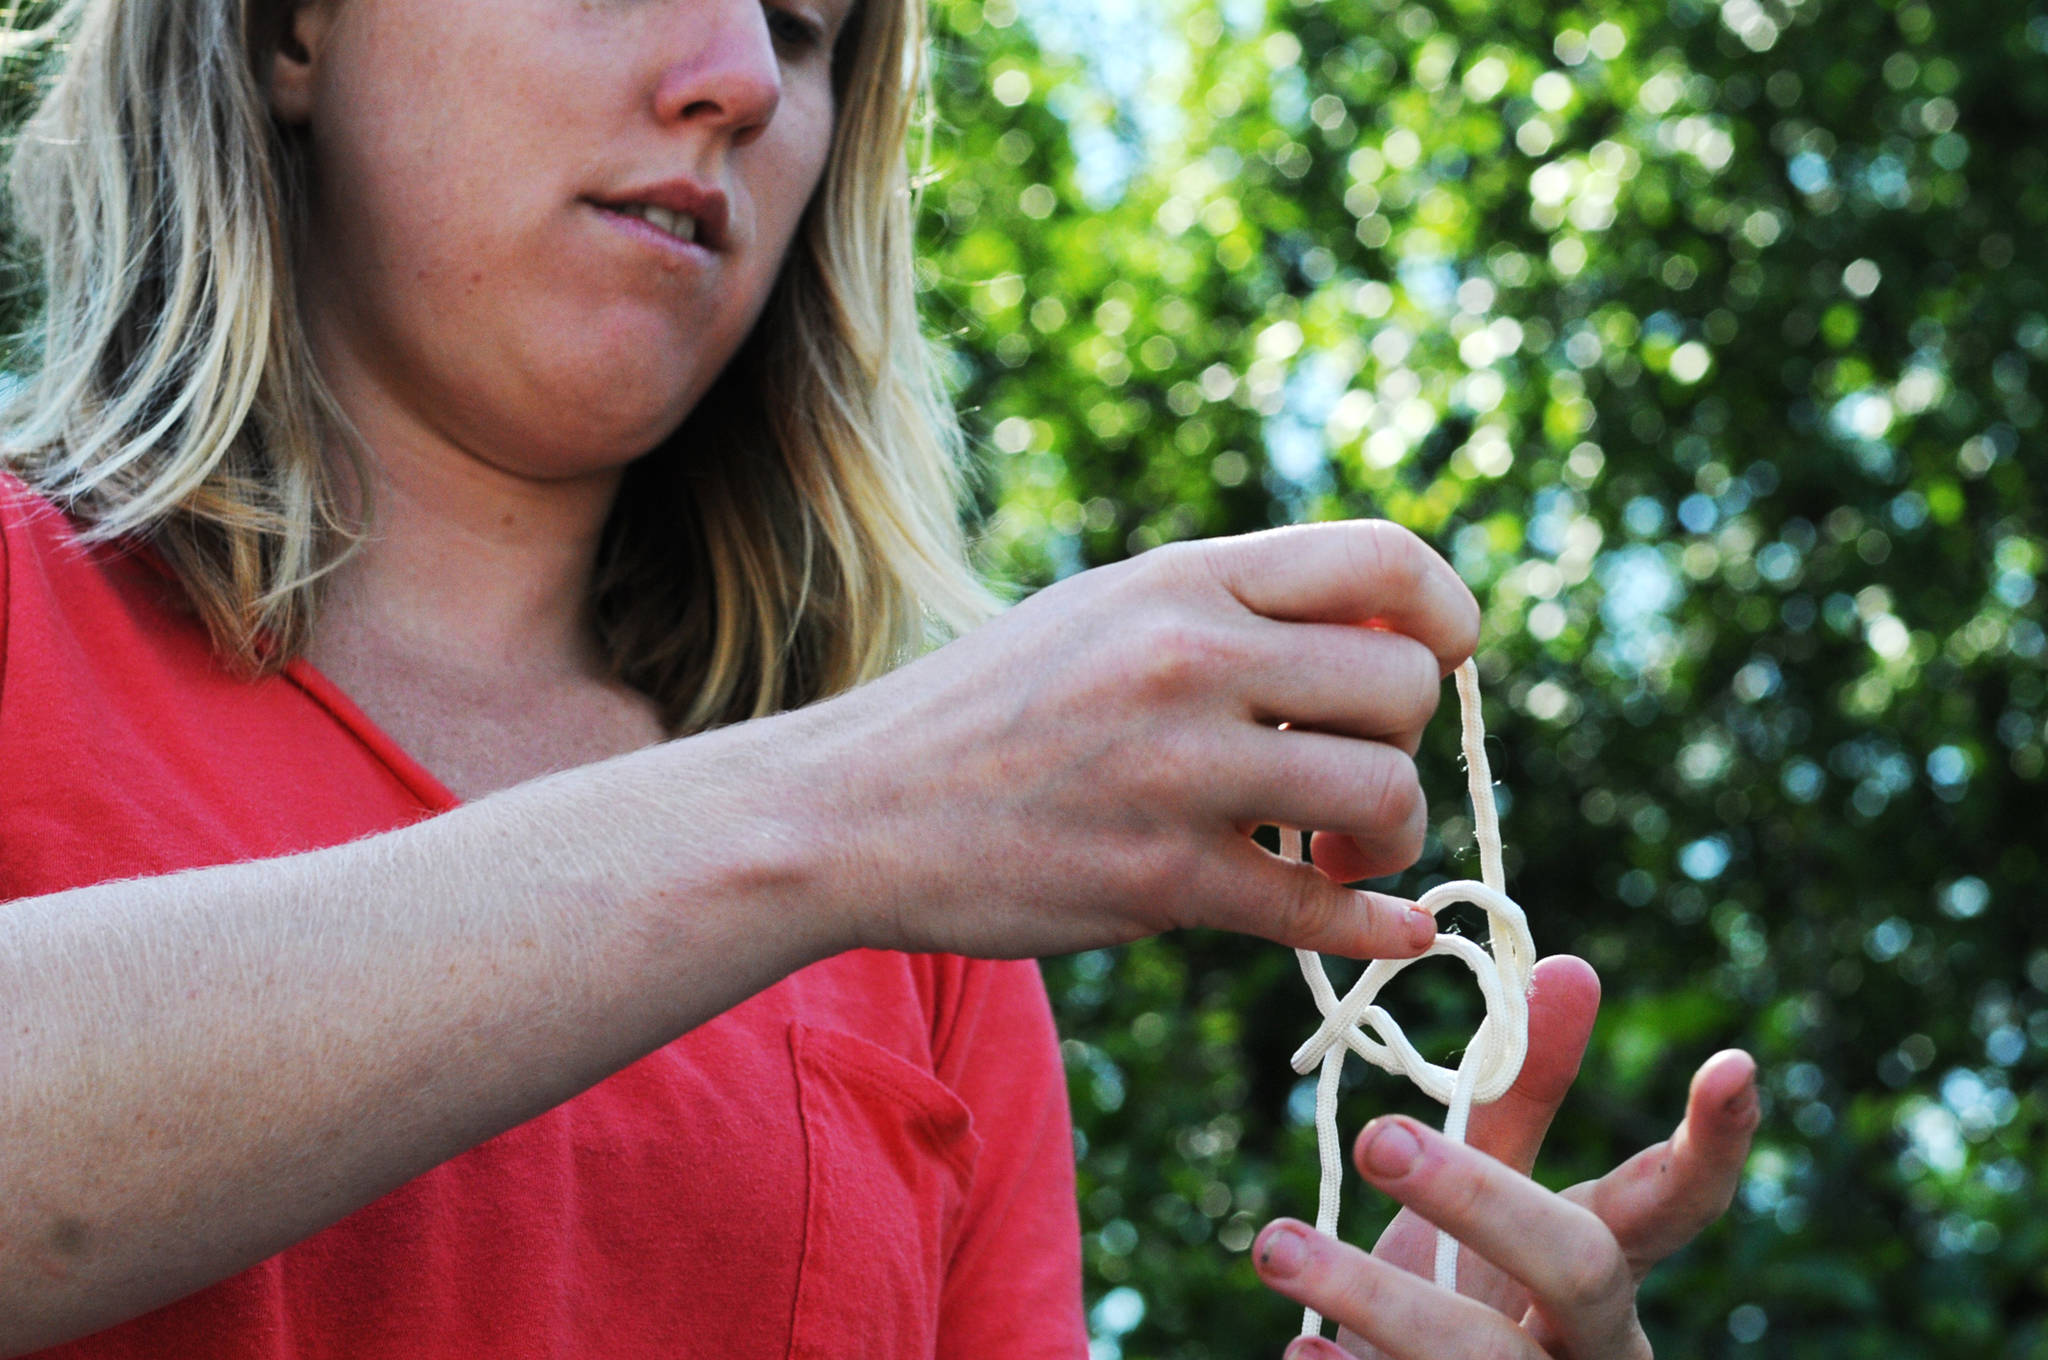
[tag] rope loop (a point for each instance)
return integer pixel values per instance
(1358, 1024)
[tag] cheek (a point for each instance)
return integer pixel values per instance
(396, 218)
(424, 180)
(792, 164)
(454, 253)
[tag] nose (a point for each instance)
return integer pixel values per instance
(726, 73)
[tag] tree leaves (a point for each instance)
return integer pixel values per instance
(1704, 339)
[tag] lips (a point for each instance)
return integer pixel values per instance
(679, 225)
(684, 210)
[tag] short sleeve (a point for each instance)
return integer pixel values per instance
(1013, 1287)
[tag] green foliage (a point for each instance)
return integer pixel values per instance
(1707, 341)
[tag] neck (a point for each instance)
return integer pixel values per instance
(472, 568)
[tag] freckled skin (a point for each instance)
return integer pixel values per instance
(68, 1237)
(521, 300)
(503, 349)
(64, 1245)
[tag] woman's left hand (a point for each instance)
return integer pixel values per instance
(1542, 1274)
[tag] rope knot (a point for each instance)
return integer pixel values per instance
(1358, 1024)
(1496, 1052)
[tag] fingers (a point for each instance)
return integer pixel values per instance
(1368, 790)
(1404, 1315)
(1662, 1198)
(1316, 1348)
(1354, 571)
(1292, 903)
(1360, 682)
(1354, 698)
(1564, 998)
(1347, 859)
(1376, 687)
(1562, 1253)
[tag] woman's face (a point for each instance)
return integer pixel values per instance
(539, 228)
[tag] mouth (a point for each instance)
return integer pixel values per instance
(681, 226)
(680, 210)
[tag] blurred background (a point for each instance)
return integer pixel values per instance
(1707, 341)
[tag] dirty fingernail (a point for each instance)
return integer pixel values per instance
(1391, 1149)
(1285, 1250)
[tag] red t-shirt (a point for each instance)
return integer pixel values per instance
(870, 1160)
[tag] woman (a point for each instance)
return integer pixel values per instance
(463, 898)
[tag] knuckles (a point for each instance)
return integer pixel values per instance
(1387, 552)
(1418, 681)
(1310, 910)
(1591, 1271)
(1390, 796)
(1179, 569)
(1596, 1272)
(1171, 658)
(1358, 1289)
(1402, 559)
(1501, 1345)
(1459, 1192)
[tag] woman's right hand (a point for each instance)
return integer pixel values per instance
(1084, 770)
(1087, 768)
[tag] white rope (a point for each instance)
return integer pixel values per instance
(1356, 1024)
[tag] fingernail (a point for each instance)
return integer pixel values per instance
(1306, 1348)
(1284, 1252)
(1391, 1149)
(1744, 1102)
(1419, 928)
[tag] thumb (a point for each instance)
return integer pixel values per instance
(1564, 997)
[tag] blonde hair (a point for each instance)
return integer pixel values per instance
(174, 395)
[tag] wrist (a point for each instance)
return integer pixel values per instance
(752, 845)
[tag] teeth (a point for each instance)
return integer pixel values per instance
(679, 225)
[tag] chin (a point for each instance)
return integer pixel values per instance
(613, 414)
(636, 387)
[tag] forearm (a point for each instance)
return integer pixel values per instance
(202, 1069)
(196, 1072)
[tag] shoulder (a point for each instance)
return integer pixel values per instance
(28, 518)
(43, 546)
(92, 637)
(31, 528)
(35, 536)
(57, 586)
